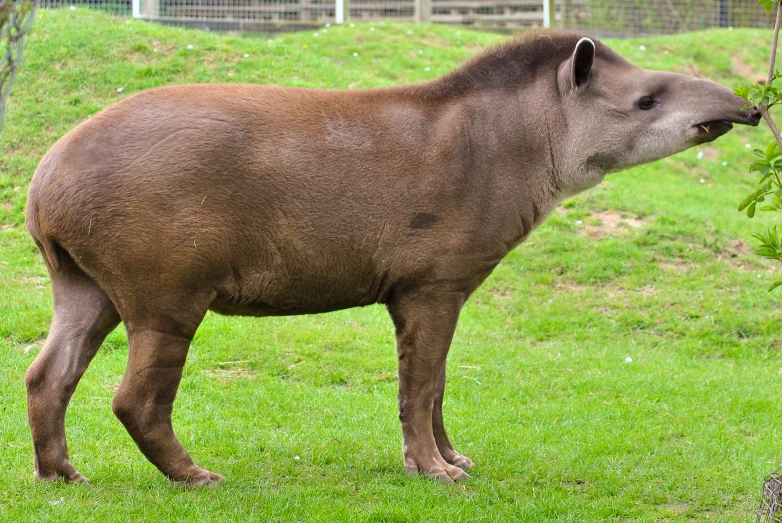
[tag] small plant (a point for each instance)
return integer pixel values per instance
(16, 16)
(768, 197)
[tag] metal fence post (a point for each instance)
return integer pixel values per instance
(152, 9)
(341, 11)
(136, 8)
(423, 11)
(549, 13)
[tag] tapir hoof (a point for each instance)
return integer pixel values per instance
(463, 462)
(202, 479)
(454, 458)
(446, 475)
(72, 477)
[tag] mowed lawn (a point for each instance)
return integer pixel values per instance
(622, 365)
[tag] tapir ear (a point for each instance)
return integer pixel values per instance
(583, 57)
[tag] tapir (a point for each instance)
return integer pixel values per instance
(269, 201)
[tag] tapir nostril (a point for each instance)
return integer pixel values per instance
(755, 116)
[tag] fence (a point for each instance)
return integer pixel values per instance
(602, 17)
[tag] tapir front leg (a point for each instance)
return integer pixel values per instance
(444, 444)
(425, 323)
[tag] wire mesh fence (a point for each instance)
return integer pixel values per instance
(602, 17)
(649, 17)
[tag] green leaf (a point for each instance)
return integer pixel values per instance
(751, 210)
(772, 150)
(746, 201)
(775, 285)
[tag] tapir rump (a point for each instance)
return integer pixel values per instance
(264, 201)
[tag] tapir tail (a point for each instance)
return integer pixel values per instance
(47, 245)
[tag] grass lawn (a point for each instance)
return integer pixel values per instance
(299, 413)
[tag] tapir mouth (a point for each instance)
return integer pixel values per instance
(713, 129)
(708, 131)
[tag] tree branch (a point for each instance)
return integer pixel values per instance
(774, 46)
(767, 117)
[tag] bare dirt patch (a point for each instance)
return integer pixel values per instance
(39, 282)
(160, 47)
(694, 70)
(678, 508)
(679, 266)
(747, 71)
(741, 255)
(710, 153)
(226, 375)
(569, 287)
(610, 223)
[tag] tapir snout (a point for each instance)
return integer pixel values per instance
(727, 109)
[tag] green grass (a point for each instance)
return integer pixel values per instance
(539, 395)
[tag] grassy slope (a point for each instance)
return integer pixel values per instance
(540, 396)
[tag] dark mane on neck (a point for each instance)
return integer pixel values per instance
(511, 63)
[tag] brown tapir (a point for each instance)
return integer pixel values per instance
(266, 201)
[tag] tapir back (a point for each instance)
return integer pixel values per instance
(283, 200)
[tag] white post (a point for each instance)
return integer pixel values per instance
(546, 14)
(339, 11)
(136, 8)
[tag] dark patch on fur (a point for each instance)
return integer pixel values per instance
(422, 220)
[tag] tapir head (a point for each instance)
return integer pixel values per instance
(619, 115)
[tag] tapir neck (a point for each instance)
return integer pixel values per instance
(515, 149)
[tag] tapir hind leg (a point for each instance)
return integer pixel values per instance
(425, 324)
(158, 346)
(444, 445)
(83, 317)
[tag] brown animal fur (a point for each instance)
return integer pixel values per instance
(263, 201)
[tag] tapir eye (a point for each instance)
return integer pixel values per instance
(647, 103)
